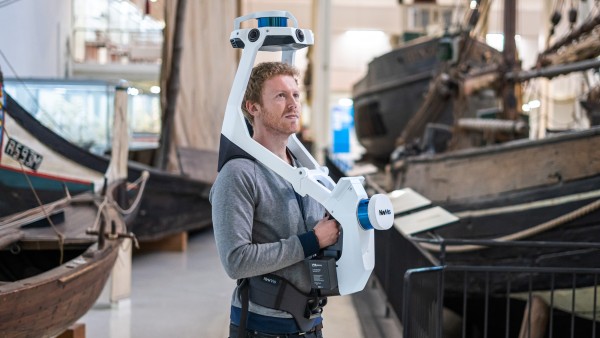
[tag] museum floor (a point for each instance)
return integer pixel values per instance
(186, 294)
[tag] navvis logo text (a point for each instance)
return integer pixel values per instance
(385, 212)
(270, 280)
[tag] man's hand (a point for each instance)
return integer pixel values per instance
(327, 231)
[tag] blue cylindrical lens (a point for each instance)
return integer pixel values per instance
(272, 22)
(363, 214)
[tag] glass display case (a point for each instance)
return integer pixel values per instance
(82, 111)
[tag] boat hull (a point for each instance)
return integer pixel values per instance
(39, 296)
(47, 188)
(27, 309)
(170, 203)
(545, 191)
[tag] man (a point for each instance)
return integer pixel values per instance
(261, 225)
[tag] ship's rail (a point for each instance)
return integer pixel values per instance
(499, 300)
(429, 312)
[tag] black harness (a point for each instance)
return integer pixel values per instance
(277, 293)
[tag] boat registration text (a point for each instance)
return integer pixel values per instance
(23, 154)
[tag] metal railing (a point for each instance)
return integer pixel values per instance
(394, 255)
(503, 301)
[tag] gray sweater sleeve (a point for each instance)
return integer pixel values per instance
(248, 245)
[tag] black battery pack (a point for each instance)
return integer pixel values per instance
(323, 275)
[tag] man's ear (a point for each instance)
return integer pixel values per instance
(252, 107)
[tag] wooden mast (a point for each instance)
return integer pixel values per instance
(509, 98)
(172, 88)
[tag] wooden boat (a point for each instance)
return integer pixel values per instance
(171, 203)
(393, 91)
(560, 203)
(47, 283)
(502, 186)
(505, 188)
(55, 258)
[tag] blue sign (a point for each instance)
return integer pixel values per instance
(342, 121)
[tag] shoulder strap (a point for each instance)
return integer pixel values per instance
(228, 151)
(244, 293)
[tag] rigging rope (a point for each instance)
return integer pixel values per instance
(586, 209)
(143, 179)
(548, 225)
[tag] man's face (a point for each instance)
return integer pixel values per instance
(279, 113)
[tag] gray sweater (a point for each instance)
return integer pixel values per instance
(257, 221)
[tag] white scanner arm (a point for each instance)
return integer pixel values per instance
(347, 200)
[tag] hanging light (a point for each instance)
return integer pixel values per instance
(534, 104)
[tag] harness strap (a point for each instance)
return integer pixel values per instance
(277, 293)
(244, 293)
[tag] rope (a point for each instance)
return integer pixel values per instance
(371, 183)
(60, 235)
(143, 179)
(586, 209)
(101, 207)
(515, 236)
(582, 211)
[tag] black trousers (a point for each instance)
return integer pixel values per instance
(315, 333)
